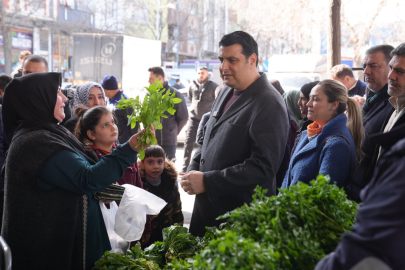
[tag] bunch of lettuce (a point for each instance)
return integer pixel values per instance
(150, 111)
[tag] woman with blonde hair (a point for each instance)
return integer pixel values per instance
(332, 143)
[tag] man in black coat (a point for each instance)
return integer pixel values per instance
(375, 110)
(114, 94)
(244, 139)
(167, 136)
(202, 95)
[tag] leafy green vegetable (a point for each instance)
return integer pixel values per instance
(150, 111)
(297, 228)
(178, 245)
(134, 260)
(293, 230)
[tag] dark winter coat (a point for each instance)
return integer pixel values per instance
(202, 97)
(168, 190)
(174, 123)
(379, 229)
(359, 89)
(241, 149)
(373, 123)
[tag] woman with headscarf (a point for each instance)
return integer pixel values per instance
(302, 104)
(291, 100)
(51, 219)
(89, 94)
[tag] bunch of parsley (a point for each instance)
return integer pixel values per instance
(150, 111)
(293, 230)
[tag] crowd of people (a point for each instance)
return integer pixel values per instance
(58, 147)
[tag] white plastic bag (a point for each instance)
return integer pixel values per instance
(135, 204)
(109, 220)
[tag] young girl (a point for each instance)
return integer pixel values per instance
(97, 129)
(159, 177)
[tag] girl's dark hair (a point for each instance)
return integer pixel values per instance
(155, 151)
(88, 120)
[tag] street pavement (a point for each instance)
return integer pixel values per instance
(187, 201)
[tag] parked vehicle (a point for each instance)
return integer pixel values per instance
(127, 58)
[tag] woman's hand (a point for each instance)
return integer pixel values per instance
(133, 141)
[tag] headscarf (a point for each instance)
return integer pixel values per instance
(306, 88)
(277, 85)
(29, 105)
(291, 99)
(82, 93)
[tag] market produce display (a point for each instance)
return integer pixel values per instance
(293, 230)
(150, 111)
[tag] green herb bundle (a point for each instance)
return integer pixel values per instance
(150, 111)
(294, 230)
(133, 260)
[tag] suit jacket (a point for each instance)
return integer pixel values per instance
(373, 123)
(241, 149)
(359, 89)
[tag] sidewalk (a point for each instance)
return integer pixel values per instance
(186, 200)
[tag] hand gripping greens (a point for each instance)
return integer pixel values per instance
(150, 111)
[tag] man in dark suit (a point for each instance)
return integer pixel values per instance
(244, 139)
(375, 110)
(344, 74)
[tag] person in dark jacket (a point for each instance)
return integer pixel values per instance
(331, 143)
(159, 177)
(375, 110)
(344, 74)
(98, 126)
(167, 136)
(378, 236)
(245, 137)
(114, 94)
(202, 96)
(51, 219)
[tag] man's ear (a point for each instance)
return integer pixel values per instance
(347, 79)
(1, 92)
(252, 59)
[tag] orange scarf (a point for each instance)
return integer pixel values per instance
(314, 129)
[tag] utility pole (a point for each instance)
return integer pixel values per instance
(334, 35)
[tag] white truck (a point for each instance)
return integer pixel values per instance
(127, 58)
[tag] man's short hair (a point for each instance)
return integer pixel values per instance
(24, 54)
(157, 71)
(249, 45)
(385, 49)
(341, 71)
(203, 68)
(4, 80)
(177, 80)
(36, 59)
(399, 51)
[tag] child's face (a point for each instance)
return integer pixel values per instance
(153, 167)
(105, 133)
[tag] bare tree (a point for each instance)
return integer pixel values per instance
(359, 33)
(334, 36)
